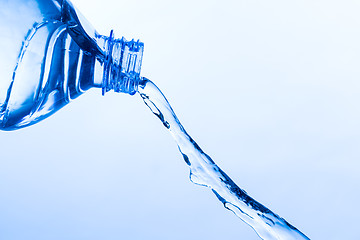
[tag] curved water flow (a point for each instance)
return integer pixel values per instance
(205, 172)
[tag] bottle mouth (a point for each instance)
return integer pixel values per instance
(122, 65)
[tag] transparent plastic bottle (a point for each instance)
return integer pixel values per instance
(50, 55)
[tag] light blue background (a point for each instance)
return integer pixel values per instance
(269, 89)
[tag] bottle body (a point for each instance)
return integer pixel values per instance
(50, 56)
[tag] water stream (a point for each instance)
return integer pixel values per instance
(205, 172)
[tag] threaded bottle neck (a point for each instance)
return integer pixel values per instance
(122, 64)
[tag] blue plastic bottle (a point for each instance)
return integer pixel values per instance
(50, 55)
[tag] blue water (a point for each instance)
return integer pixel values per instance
(51, 55)
(205, 172)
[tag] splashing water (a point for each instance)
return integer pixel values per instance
(204, 172)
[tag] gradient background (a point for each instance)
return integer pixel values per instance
(269, 89)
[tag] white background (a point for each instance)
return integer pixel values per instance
(269, 89)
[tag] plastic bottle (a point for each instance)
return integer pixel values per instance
(50, 55)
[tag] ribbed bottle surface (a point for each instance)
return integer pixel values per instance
(51, 55)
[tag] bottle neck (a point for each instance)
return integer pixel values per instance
(121, 64)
